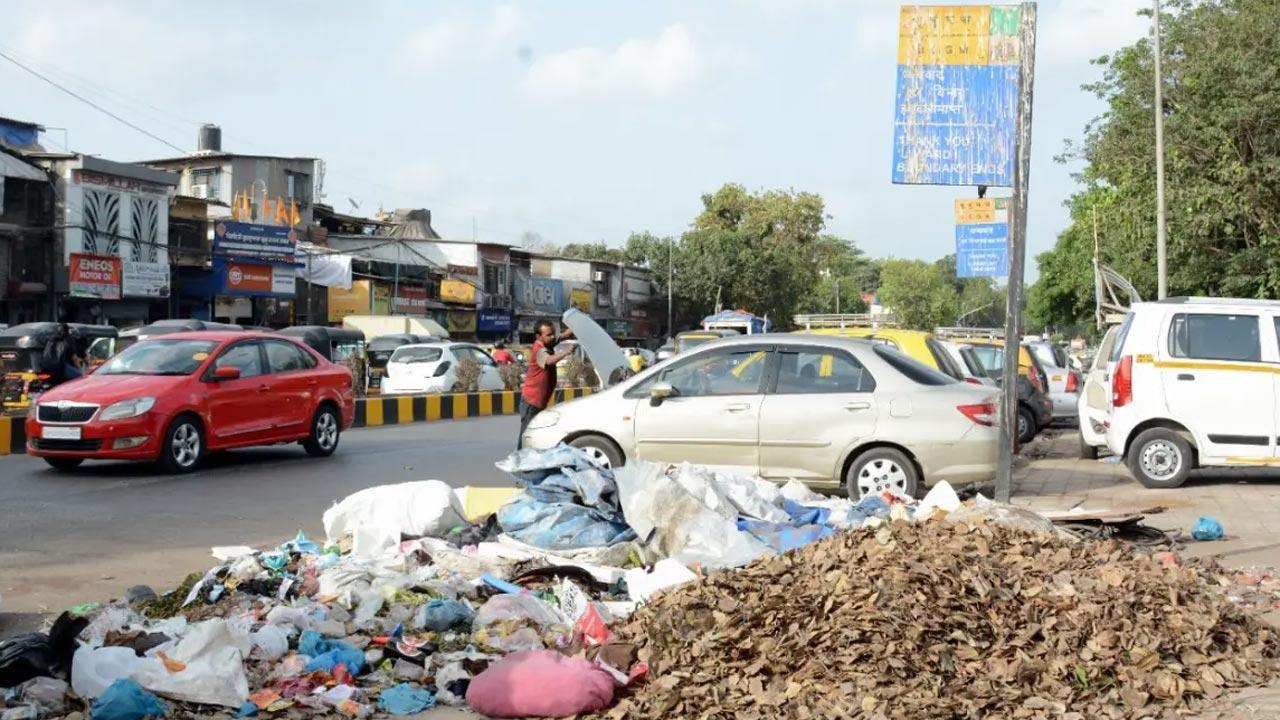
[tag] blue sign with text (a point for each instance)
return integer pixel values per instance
(982, 250)
(540, 294)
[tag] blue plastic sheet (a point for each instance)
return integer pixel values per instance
(125, 699)
(327, 654)
(300, 544)
(804, 515)
(443, 615)
(569, 502)
(405, 699)
(1207, 528)
(782, 538)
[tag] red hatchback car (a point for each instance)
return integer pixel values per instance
(176, 397)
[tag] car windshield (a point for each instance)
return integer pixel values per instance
(693, 341)
(416, 355)
(160, 357)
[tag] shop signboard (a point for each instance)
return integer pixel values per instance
(541, 295)
(258, 279)
(494, 321)
(457, 291)
(461, 321)
(618, 328)
(144, 279)
(354, 301)
(410, 300)
(94, 276)
(276, 242)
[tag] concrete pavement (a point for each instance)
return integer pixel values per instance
(68, 538)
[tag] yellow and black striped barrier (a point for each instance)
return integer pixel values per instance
(374, 411)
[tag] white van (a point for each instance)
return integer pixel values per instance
(1193, 384)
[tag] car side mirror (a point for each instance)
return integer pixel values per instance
(226, 373)
(660, 391)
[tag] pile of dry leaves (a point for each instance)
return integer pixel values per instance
(946, 619)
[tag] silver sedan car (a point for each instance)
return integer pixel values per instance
(831, 412)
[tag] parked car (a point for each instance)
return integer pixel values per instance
(831, 412)
(1062, 381)
(1194, 385)
(691, 339)
(174, 398)
(917, 344)
(1093, 407)
(433, 368)
(970, 370)
(1035, 409)
(380, 349)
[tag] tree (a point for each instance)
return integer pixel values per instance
(1221, 96)
(843, 272)
(918, 293)
(979, 303)
(597, 251)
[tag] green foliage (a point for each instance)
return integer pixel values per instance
(920, 294)
(1221, 66)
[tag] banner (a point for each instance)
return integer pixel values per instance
(253, 279)
(275, 242)
(457, 291)
(145, 279)
(94, 276)
(494, 321)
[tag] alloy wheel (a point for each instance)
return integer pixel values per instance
(882, 474)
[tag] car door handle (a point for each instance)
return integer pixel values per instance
(856, 406)
(1186, 376)
(737, 407)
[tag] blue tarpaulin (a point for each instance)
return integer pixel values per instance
(570, 502)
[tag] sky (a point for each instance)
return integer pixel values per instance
(578, 120)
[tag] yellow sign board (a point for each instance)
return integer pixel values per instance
(944, 35)
(457, 291)
(581, 299)
(461, 321)
(349, 302)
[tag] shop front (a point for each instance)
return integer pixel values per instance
(269, 287)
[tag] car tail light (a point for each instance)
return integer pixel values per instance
(984, 414)
(973, 381)
(1034, 378)
(1122, 382)
(441, 369)
(1073, 382)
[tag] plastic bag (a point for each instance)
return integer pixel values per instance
(563, 525)
(125, 699)
(940, 497)
(668, 573)
(501, 608)
(93, 670)
(1207, 528)
(443, 615)
(424, 508)
(47, 694)
(271, 640)
(405, 699)
(592, 627)
(39, 654)
(540, 683)
(212, 653)
(328, 654)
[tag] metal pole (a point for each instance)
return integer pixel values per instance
(310, 288)
(395, 286)
(1162, 257)
(837, 296)
(1017, 253)
(671, 242)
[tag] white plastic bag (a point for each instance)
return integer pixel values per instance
(425, 508)
(668, 573)
(213, 672)
(93, 669)
(271, 640)
(940, 497)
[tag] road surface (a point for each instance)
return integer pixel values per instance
(68, 538)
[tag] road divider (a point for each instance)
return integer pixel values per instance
(377, 411)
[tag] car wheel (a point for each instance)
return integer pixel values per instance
(64, 463)
(1026, 425)
(880, 469)
(1160, 458)
(325, 431)
(601, 450)
(1087, 451)
(183, 447)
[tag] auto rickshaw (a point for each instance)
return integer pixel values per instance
(340, 345)
(22, 358)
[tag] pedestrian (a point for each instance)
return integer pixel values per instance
(502, 355)
(62, 358)
(540, 377)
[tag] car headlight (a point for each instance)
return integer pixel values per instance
(544, 419)
(127, 408)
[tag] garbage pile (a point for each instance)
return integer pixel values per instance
(967, 618)
(678, 590)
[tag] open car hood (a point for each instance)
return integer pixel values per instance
(610, 364)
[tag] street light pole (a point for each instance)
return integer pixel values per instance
(1162, 258)
(671, 270)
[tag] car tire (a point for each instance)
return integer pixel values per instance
(64, 464)
(326, 430)
(880, 469)
(1087, 451)
(183, 447)
(1027, 427)
(600, 449)
(1160, 458)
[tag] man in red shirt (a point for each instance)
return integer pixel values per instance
(540, 377)
(502, 355)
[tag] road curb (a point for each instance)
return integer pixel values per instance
(373, 411)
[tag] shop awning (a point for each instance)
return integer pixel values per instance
(19, 169)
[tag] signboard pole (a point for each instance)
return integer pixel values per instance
(1017, 252)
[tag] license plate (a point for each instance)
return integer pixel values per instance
(59, 433)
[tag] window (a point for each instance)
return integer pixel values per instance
(298, 186)
(990, 357)
(416, 354)
(481, 357)
(1044, 353)
(723, 372)
(246, 357)
(159, 357)
(821, 371)
(946, 361)
(1215, 337)
(915, 371)
(206, 183)
(287, 357)
(1121, 336)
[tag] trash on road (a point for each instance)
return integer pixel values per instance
(902, 608)
(1207, 528)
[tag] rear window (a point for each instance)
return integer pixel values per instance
(1215, 337)
(416, 355)
(915, 371)
(1118, 349)
(946, 362)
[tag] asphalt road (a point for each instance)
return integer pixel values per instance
(67, 538)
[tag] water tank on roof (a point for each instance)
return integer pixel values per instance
(210, 139)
